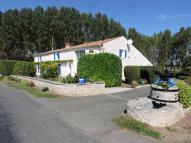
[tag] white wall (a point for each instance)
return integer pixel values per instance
(134, 57)
(67, 55)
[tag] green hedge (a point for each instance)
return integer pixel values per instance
(49, 69)
(131, 73)
(150, 73)
(24, 68)
(101, 67)
(142, 72)
(184, 93)
(7, 66)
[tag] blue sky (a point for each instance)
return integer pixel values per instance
(147, 16)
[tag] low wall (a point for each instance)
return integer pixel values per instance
(66, 89)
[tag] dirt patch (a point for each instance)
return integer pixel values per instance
(179, 132)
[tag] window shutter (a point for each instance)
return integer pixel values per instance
(58, 55)
(120, 53)
(125, 53)
(54, 56)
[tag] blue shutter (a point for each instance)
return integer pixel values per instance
(58, 53)
(125, 53)
(120, 53)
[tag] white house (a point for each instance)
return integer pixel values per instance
(119, 46)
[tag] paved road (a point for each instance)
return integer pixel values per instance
(68, 120)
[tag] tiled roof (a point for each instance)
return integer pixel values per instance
(84, 45)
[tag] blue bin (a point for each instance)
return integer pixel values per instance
(82, 81)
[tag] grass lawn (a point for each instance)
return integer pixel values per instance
(126, 122)
(32, 90)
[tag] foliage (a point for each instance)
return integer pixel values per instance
(134, 84)
(127, 122)
(164, 48)
(101, 67)
(150, 73)
(6, 67)
(30, 84)
(24, 68)
(44, 89)
(70, 79)
(184, 93)
(186, 65)
(188, 80)
(28, 31)
(49, 69)
(132, 73)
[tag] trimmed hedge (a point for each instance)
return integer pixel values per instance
(49, 69)
(7, 66)
(101, 67)
(24, 68)
(131, 73)
(150, 73)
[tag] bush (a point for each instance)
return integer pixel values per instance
(44, 89)
(70, 79)
(24, 68)
(132, 73)
(30, 84)
(134, 84)
(6, 67)
(49, 70)
(184, 93)
(149, 73)
(101, 67)
(188, 80)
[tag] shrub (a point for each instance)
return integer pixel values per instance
(30, 84)
(70, 79)
(24, 68)
(49, 70)
(134, 84)
(44, 89)
(188, 80)
(149, 73)
(132, 73)
(6, 67)
(184, 93)
(101, 67)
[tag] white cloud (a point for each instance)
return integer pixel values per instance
(163, 17)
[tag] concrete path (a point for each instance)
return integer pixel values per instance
(67, 120)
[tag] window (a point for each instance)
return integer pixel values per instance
(122, 53)
(57, 56)
(80, 53)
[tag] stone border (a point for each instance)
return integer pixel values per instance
(66, 89)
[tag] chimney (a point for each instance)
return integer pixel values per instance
(67, 45)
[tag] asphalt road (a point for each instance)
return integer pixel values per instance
(24, 119)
